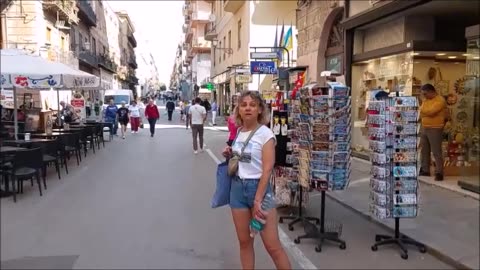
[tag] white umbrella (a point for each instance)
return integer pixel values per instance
(21, 70)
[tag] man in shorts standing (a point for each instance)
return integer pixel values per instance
(198, 115)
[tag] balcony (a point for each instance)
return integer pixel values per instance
(132, 78)
(232, 5)
(132, 40)
(107, 63)
(187, 9)
(66, 9)
(199, 17)
(65, 57)
(201, 45)
(132, 62)
(210, 32)
(184, 28)
(86, 13)
(189, 35)
(89, 58)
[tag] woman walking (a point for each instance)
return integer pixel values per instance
(134, 117)
(123, 118)
(152, 115)
(249, 187)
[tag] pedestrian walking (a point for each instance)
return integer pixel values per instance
(187, 115)
(433, 113)
(170, 108)
(232, 129)
(181, 104)
(110, 116)
(255, 147)
(152, 115)
(214, 112)
(134, 116)
(122, 114)
(198, 115)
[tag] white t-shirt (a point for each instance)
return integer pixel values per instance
(134, 111)
(250, 165)
(197, 113)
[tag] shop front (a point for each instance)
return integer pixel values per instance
(402, 51)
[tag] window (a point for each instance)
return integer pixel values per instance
(230, 40)
(104, 50)
(80, 42)
(94, 46)
(239, 34)
(220, 55)
(224, 51)
(214, 57)
(62, 44)
(49, 35)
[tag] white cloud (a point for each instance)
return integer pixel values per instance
(158, 27)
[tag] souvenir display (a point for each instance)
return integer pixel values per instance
(392, 130)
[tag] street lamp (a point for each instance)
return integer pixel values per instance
(215, 43)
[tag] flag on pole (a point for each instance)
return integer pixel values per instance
(288, 43)
(275, 44)
(280, 44)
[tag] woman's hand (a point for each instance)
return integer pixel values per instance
(258, 213)
(227, 152)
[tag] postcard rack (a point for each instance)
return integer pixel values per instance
(392, 130)
(325, 151)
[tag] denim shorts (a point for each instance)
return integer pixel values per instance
(242, 192)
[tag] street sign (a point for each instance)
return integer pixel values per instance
(210, 86)
(262, 67)
(263, 55)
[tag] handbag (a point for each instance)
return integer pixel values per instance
(233, 161)
(221, 196)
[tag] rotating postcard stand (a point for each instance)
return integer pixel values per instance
(392, 130)
(298, 112)
(329, 152)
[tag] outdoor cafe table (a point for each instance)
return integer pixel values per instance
(49, 135)
(7, 150)
(29, 142)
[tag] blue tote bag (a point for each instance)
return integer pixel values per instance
(222, 191)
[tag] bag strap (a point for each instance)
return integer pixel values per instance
(249, 137)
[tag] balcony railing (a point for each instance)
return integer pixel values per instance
(89, 58)
(106, 62)
(200, 44)
(132, 40)
(210, 32)
(66, 9)
(86, 13)
(132, 78)
(132, 62)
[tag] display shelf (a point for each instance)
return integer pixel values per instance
(392, 131)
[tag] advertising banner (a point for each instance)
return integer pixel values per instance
(263, 67)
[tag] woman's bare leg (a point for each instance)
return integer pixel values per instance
(241, 219)
(272, 243)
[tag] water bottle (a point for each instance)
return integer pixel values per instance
(49, 126)
(256, 224)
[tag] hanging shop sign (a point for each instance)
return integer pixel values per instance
(6, 98)
(78, 103)
(264, 55)
(263, 67)
(243, 78)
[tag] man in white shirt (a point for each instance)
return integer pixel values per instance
(198, 115)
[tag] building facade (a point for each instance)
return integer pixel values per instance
(197, 48)
(128, 43)
(235, 29)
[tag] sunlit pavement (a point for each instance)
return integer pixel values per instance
(144, 202)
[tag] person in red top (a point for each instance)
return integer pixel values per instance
(232, 129)
(152, 115)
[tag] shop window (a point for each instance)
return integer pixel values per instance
(224, 51)
(230, 39)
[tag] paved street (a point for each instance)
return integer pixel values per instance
(144, 203)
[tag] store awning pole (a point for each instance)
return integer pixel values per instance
(15, 111)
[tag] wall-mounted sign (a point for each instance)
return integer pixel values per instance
(263, 67)
(6, 98)
(243, 78)
(264, 55)
(334, 63)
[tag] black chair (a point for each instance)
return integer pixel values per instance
(53, 154)
(71, 144)
(91, 137)
(27, 164)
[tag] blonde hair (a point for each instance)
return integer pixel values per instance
(263, 117)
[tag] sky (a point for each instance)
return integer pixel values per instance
(158, 25)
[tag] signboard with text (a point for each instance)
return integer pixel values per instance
(264, 55)
(263, 67)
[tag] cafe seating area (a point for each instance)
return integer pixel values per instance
(40, 157)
